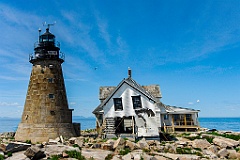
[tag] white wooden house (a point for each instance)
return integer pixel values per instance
(132, 109)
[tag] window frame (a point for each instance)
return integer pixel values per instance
(118, 106)
(137, 102)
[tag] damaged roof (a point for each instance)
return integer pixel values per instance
(176, 110)
(152, 92)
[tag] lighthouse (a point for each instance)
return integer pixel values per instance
(46, 114)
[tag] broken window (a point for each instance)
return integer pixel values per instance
(118, 104)
(136, 102)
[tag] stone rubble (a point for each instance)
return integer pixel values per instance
(194, 146)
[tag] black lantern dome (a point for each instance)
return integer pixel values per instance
(46, 48)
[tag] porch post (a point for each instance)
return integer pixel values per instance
(133, 125)
(173, 129)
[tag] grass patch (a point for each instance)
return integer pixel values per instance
(55, 157)
(28, 141)
(209, 139)
(115, 138)
(124, 151)
(188, 151)
(77, 146)
(109, 157)
(183, 151)
(230, 136)
(75, 154)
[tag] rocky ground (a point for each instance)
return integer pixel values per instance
(183, 146)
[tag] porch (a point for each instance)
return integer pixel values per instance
(181, 122)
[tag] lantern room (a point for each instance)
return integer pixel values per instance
(46, 48)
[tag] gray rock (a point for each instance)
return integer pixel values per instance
(96, 154)
(223, 153)
(142, 144)
(130, 145)
(201, 143)
(72, 140)
(213, 148)
(3, 147)
(225, 142)
(119, 143)
(58, 149)
(7, 134)
(34, 153)
(107, 146)
(233, 154)
(17, 146)
(210, 154)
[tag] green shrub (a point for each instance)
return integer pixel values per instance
(115, 138)
(9, 154)
(109, 157)
(237, 149)
(77, 146)
(1, 157)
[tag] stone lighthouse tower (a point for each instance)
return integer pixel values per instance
(46, 114)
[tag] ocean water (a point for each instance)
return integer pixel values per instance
(223, 124)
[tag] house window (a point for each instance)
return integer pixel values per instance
(118, 104)
(165, 116)
(136, 102)
(51, 96)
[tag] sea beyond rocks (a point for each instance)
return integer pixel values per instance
(179, 146)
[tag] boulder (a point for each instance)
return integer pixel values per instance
(225, 142)
(213, 148)
(17, 146)
(222, 153)
(7, 134)
(58, 149)
(34, 153)
(209, 154)
(130, 145)
(96, 145)
(72, 140)
(142, 144)
(119, 143)
(3, 147)
(107, 146)
(201, 143)
(233, 154)
(79, 142)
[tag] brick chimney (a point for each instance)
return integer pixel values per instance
(129, 72)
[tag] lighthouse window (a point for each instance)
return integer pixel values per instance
(50, 80)
(51, 96)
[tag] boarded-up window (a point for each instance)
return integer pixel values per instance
(136, 102)
(118, 104)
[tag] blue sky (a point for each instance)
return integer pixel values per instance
(190, 48)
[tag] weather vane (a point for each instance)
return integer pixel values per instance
(49, 24)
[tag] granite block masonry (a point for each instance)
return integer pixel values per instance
(46, 114)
